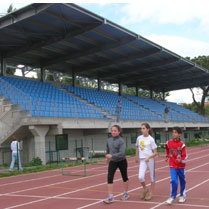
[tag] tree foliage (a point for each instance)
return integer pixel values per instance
(200, 106)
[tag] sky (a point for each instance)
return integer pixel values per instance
(180, 26)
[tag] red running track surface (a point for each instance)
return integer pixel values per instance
(51, 190)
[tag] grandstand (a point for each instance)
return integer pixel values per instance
(38, 110)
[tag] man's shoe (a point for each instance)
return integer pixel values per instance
(169, 201)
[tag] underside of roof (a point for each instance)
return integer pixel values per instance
(67, 38)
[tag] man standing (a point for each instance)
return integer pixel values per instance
(166, 114)
(118, 111)
(15, 147)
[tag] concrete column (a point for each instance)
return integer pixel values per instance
(28, 149)
(151, 94)
(3, 66)
(120, 88)
(42, 74)
(163, 95)
(73, 78)
(137, 91)
(99, 83)
(39, 133)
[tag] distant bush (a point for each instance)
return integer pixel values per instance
(35, 162)
(130, 151)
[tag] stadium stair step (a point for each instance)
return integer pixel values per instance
(105, 113)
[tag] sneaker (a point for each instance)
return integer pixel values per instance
(108, 201)
(125, 197)
(143, 195)
(182, 199)
(148, 197)
(169, 201)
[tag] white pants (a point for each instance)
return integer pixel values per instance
(143, 168)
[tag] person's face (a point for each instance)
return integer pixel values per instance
(115, 132)
(144, 130)
(175, 134)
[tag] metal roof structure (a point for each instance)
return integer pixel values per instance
(67, 38)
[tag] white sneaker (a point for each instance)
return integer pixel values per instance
(169, 201)
(182, 199)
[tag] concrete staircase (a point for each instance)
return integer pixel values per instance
(10, 118)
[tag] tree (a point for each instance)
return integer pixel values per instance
(11, 9)
(204, 62)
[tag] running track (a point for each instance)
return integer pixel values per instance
(51, 190)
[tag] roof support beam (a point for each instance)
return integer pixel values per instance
(120, 88)
(137, 90)
(87, 51)
(139, 68)
(151, 94)
(99, 83)
(42, 73)
(160, 73)
(52, 40)
(73, 78)
(122, 59)
(3, 66)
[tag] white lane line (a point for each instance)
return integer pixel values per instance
(79, 189)
(56, 170)
(97, 199)
(33, 188)
(85, 206)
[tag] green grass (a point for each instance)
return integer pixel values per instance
(41, 168)
(196, 142)
(32, 167)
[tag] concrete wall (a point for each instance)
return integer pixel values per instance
(93, 138)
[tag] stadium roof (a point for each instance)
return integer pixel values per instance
(68, 38)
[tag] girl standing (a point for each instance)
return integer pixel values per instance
(146, 150)
(116, 158)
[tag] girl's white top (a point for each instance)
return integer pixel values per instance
(145, 146)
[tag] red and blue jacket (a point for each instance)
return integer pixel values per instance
(176, 149)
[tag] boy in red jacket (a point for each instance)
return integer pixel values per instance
(176, 153)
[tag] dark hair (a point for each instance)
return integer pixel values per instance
(119, 129)
(177, 129)
(147, 127)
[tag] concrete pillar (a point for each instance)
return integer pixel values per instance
(99, 83)
(28, 149)
(42, 74)
(120, 88)
(163, 95)
(73, 78)
(137, 91)
(3, 66)
(151, 94)
(39, 133)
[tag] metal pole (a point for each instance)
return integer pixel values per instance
(3, 66)
(50, 153)
(42, 74)
(62, 166)
(17, 157)
(120, 88)
(84, 167)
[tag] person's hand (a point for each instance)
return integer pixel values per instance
(178, 160)
(108, 156)
(166, 159)
(137, 160)
(147, 159)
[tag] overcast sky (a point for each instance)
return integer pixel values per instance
(181, 26)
